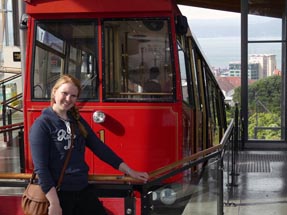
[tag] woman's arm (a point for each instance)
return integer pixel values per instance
(40, 150)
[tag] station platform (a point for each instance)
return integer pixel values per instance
(261, 186)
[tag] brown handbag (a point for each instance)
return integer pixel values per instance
(34, 201)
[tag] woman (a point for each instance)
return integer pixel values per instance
(50, 139)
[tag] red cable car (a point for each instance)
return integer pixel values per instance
(146, 88)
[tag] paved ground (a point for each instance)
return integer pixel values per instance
(262, 186)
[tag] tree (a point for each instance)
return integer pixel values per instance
(264, 107)
(264, 94)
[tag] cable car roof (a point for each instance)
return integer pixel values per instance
(268, 8)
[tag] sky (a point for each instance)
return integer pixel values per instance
(207, 14)
(209, 27)
(218, 34)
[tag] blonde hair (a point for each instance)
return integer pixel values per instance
(74, 110)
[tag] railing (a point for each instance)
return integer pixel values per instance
(7, 108)
(9, 129)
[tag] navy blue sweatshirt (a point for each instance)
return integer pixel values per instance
(50, 140)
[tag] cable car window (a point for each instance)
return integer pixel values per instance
(65, 47)
(183, 74)
(49, 39)
(137, 60)
(185, 66)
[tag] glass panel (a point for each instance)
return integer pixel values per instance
(195, 80)
(189, 195)
(264, 91)
(213, 118)
(65, 48)
(183, 71)
(137, 60)
(264, 28)
(47, 69)
(49, 40)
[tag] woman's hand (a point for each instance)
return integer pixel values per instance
(134, 174)
(138, 175)
(55, 207)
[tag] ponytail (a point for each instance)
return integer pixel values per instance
(75, 113)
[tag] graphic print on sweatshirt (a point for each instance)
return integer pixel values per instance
(65, 135)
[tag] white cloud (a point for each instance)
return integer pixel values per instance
(202, 13)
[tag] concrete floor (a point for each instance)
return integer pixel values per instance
(260, 187)
(261, 191)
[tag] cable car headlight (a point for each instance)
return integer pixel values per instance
(167, 196)
(99, 117)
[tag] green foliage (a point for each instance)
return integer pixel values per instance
(264, 126)
(264, 94)
(229, 114)
(236, 95)
(264, 108)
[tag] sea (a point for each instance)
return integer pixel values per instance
(220, 51)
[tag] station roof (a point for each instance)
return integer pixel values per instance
(271, 8)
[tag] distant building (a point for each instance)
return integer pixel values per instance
(228, 85)
(259, 66)
(235, 70)
(267, 63)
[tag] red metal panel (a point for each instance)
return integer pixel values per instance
(98, 6)
(147, 133)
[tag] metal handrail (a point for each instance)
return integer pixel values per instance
(193, 157)
(11, 127)
(225, 139)
(12, 99)
(10, 78)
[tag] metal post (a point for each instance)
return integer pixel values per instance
(228, 185)
(16, 23)
(10, 132)
(236, 141)
(21, 151)
(236, 128)
(4, 110)
(233, 158)
(130, 208)
(145, 202)
(244, 69)
(220, 185)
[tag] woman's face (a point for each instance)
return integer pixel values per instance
(65, 97)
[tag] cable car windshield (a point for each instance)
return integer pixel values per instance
(136, 57)
(138, 60)
(65, 47)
